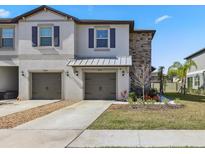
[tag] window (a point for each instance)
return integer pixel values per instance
(102, 38)
(7, 40)
(197, 80)
(45, 36)
(190, 81)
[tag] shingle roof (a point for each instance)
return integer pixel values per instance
(40, 8)
(93, 62)
(79, 21)
(195, 53)
(6, 20)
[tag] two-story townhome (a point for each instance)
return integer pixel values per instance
(48, 54)
(196, 75)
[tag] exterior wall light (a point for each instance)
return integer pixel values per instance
(67, 74)
(123, 73)
(22, 73)
(76, 73)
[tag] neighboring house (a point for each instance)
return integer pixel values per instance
(156, 79)
(169, 83)
(196, 76)
(47, 54)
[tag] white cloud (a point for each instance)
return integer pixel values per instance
(162, 18)
(4, 13)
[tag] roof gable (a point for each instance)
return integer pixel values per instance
(44, 8)
(195, 54)
(45, 15)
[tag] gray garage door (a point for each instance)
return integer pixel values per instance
(46, 85)
(100, 86)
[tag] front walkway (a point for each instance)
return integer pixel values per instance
(13, 106)
(57, 129)
(140, 138)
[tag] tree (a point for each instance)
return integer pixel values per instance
(161, 78)
(180, 71)
(140, 77)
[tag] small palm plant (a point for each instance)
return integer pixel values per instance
(180, 71)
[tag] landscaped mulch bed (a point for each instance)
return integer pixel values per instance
(18, 118)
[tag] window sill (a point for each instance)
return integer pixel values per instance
(44, 47)
(102, 49)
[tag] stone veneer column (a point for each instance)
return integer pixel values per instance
(140, 49)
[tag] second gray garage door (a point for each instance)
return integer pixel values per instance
(100, 86)
(46, 85)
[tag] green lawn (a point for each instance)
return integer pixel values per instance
(192, 116)
(187, 98)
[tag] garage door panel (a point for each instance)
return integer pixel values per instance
(46, 85)
(100, 86)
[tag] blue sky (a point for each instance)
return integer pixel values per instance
(180, 29)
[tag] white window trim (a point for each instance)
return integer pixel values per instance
(197, 80)
(8, 37)
(52, 34)
(95, 38)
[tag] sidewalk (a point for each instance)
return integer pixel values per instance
(140, 138)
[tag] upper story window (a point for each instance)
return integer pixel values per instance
(45, 36)
(102, 38)
(7, 37)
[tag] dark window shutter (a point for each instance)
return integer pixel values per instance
(56, 36)
(34, 36)
(112, 38)
(91, 38)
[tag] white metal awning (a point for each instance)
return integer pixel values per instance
(106, 62)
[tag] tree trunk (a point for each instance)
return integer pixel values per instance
(184, 86)
(161, 82)
(143, 93)
(181, 86)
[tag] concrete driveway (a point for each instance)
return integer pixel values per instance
(13, 106)
(57, 129)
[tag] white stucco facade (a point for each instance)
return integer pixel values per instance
(122, 42)
(72, 85)
(73, 43)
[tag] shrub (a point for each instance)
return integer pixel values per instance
(140, 101)
(130, 101)
(150, 101)
(156, 98)
(165, 100)
(200, 91)
(152, 92)
(132, 96)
